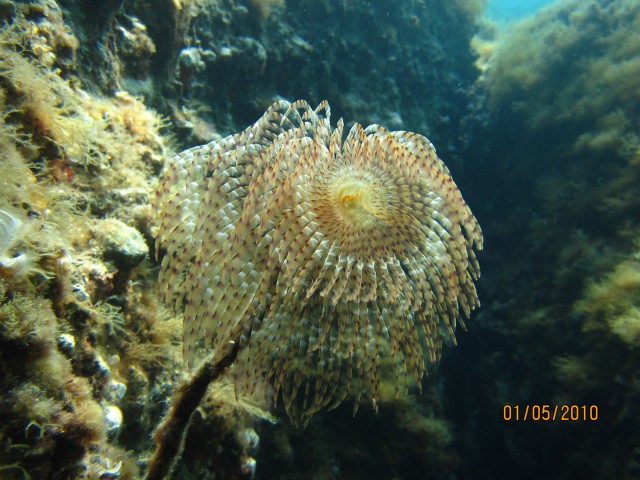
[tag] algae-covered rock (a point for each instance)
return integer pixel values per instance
(122, 244)
(557, 131)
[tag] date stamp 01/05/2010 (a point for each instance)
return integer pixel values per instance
(550, 413)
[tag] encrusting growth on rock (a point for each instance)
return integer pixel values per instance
(318, 256)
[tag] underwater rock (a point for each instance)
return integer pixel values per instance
(122, 244)
(135, 46)
(332, 49)
(66, 344)
(114, 391)
(190, 61)
(113, 420)
(101, 368)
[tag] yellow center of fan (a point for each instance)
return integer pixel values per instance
(358, 200)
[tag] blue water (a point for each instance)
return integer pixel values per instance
(506, 10)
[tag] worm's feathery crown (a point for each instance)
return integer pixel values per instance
(319, 255)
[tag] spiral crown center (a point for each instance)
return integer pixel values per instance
(352, 199)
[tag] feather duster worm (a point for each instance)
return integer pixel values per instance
(318, 256)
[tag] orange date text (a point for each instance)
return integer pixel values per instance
(550, 413)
